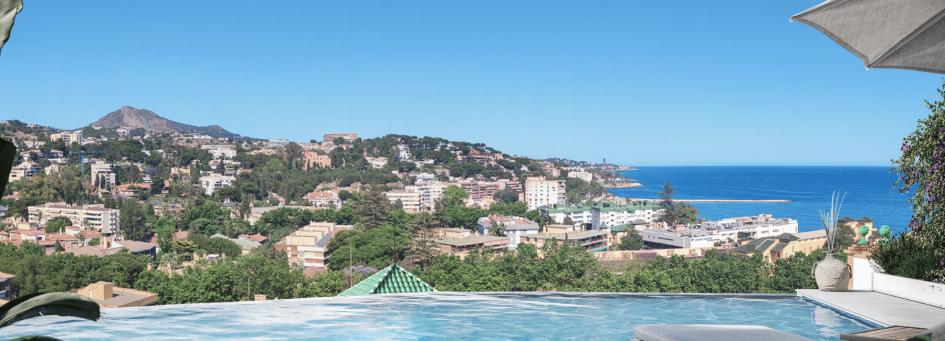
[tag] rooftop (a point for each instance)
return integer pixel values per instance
(471, 240)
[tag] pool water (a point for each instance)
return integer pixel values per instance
(448, 316)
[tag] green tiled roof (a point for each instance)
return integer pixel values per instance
(787, 236)
(865, 219)
(845, 219)
(620, 228)
(599, 249)
(779, 247)
(391, 280)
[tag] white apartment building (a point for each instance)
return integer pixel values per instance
(220, 150)
(611, 214)
(68, 138)
(707, 233)
(100, 170)
(515, 227)
(24, 170)
(104, 220)
(410, 199)
(308, 246)
(429, 191)
(328, 199)
(211, 183)
(403, 153)
(540, 192)
(579, 173)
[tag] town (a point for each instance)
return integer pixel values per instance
(174, 203)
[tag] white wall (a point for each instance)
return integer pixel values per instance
(910, 289)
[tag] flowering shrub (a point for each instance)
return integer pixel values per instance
(920, 254)
(360, 270)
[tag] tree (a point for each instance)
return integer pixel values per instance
(676, 212)
(58, 247)
(568, 221)
(497, 229)
(919, 254)
(57, 224)
(505, 195)
(845, 237)
(454, 196)
(291, 153)
(373, 209)
(132, 221)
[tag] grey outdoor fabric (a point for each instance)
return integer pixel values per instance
(8, 10)
(707, 332)
(894, 34)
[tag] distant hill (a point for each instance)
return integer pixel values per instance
(135, 118)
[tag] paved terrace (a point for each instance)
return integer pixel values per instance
(879, 308)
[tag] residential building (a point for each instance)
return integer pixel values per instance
(579, 173)
(515, 227)
(109, 296)
(346, 136)
(99, 218)
(429, 191)
(462, 246)
(540, 192)
(707, 233)
(783, 245)
(220, 150)
(24, 170)
(589, 240)
(314, 160)
(246, 244)
(308, 246)
(103, 171)
(278, 143)
(6, 287)
(213, 182)
(67, 137)
(855, 224)
(410, 198)
(549, 169)
(324, 199)
(403, 153)
(613, 214)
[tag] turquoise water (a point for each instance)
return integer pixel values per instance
(808, 189)
(447, 316)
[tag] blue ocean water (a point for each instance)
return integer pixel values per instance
(808, 188)
(447, 316)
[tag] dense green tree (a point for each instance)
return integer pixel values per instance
(58, 224)
(631, 241)
(676, 212)
(132, 220)
(373, 209)
(454, 196)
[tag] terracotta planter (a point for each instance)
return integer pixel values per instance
(832, 274)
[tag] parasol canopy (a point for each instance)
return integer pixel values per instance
(892, 34)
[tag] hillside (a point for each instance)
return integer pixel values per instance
(143, 118)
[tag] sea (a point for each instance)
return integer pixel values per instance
(868, 191)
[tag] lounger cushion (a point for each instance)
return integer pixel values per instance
(707, 332)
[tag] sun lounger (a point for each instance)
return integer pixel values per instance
(707, 332)
(900, 333)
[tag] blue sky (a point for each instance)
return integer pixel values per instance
(638, 82)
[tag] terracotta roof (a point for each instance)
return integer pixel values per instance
(87, 251)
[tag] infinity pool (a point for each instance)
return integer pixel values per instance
(447, 315)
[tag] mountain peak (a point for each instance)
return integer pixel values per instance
(128, 116)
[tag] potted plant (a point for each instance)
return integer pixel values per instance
(831, 273)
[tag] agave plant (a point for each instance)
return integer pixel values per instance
(57, 303)
(829, 219)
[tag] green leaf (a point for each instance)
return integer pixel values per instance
(57, 303)
(7, 149)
